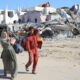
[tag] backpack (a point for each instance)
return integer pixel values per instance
(18, 48)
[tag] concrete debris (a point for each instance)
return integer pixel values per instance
(66, 22)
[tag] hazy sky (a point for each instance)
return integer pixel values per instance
(13, 4)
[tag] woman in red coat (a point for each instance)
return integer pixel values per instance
(31, 45)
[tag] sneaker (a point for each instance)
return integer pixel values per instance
(33, 72)
(27, 69)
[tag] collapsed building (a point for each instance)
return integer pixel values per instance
(61, 21)
(52, 22)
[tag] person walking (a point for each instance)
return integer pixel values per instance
(31, 47)
(8, 56)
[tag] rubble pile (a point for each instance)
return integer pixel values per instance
(65, 24)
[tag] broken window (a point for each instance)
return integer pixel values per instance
(10, 14)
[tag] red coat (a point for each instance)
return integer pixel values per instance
(31, 44)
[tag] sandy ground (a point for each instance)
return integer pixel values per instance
(58, 60)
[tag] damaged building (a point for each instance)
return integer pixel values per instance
(40, 13)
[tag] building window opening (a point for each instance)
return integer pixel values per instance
(35, 20)
(10, 14)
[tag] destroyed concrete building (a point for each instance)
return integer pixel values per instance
(61, 21)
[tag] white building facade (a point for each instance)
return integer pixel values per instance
(38, 14)
(8, 16)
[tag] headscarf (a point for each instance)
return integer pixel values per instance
(2, 34)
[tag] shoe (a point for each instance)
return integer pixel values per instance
(27, 69)
(12, 79)
(33, 72)
(5, 74)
